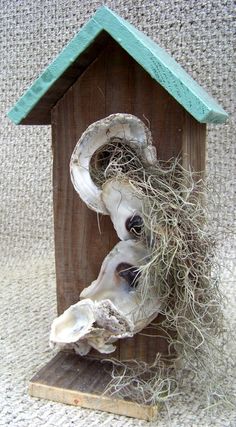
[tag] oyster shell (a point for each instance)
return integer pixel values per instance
(121, 126)
(114, 284)
(119, 281)
(111, 307)
(74, 323)
(90, 324)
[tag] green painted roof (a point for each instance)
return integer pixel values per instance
(156, 61)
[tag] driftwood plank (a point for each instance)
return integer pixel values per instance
(78, 381)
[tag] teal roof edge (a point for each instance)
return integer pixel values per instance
(155, 60)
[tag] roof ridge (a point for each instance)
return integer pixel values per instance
(161, 66)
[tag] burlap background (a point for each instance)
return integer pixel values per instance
(199, 34)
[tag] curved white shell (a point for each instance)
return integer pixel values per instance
(109, 285)
(74, 323)
(122, 204)
(119, 125)
(102, 325)
(111, 308)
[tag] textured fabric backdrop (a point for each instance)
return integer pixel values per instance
(199, 35)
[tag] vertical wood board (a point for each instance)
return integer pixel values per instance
(194, 145)
(113, 83)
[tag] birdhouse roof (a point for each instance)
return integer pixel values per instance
(35, 105)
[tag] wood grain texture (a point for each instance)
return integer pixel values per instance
(77, 381)
(113, 83)
(34, 106)
(194, 145)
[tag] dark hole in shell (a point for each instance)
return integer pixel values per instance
(134, 225)
(129, 273)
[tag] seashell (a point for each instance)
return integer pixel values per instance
(120, 126)
(111, 308)
(124, 207)
(113, 281)
(91, 324)
(119, 281)
(74, 323)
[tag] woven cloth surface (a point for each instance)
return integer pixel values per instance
(200, 36)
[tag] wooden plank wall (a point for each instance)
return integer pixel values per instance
(113, 83)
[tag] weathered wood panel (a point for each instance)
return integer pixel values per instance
(77, 381)
(194, 144)
(113, 83)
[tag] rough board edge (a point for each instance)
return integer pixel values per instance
(155, 60)
(99, 402)
(94, 402)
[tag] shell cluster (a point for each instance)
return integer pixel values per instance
(111, 307)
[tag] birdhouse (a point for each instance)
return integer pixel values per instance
(108, 68)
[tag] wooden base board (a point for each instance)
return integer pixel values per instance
(78, 381)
